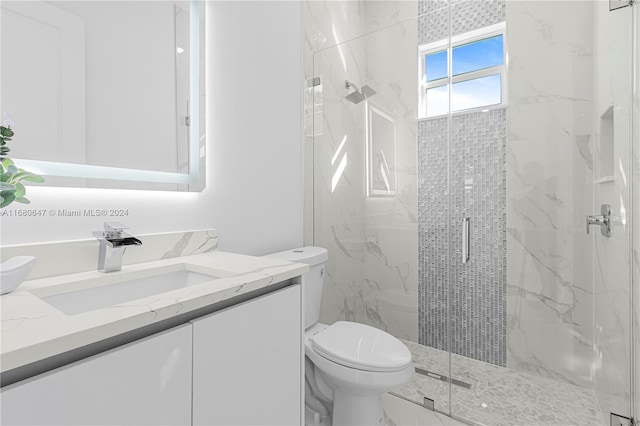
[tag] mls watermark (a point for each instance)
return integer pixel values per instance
(64, 212)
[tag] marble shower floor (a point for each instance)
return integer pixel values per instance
(498, 396)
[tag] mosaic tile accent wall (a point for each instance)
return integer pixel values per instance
(469, 15)
(478, 188)
(433, 25)
(466, 15)
(433, 237)
(478, 182)
(478, 185)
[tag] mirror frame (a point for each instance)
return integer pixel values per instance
(195, 177)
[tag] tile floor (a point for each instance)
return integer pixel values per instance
(498, 396)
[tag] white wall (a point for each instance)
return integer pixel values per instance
(256, 126)
(254, 168)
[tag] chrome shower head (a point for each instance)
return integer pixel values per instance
(360, 94)
(367, 91)
(355, 97)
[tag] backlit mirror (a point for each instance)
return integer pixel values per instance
(105, 93)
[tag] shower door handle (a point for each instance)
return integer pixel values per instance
(465, 239)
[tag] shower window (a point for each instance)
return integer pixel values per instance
(468, 73)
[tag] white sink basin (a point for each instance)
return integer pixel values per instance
(90, 295)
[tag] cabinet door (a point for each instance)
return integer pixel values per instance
(147, 382)
(247, 362)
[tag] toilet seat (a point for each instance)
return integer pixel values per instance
(361, 347)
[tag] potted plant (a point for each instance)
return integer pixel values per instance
(11, 177)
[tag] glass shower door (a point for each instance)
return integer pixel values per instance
(366, 204)
(540, 311)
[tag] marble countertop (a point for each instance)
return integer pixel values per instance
(32, 330)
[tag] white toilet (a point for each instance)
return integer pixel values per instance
(348, 365)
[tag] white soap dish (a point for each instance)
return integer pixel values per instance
(14, 271)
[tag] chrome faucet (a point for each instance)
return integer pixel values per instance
(113, 242)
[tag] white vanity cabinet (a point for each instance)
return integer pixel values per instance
(247, 364)
(241, 365)
(147, 382)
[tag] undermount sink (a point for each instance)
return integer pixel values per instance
(89, 295)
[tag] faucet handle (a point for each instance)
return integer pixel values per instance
(114, 229)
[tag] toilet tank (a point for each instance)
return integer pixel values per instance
(312, 281)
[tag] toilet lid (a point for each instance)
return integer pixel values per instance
(361, 346)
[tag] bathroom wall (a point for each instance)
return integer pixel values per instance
(391, 222)
(549, 189)
(339, 159)
(253, 195)
(256, 125)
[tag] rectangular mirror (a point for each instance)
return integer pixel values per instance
(106, 93)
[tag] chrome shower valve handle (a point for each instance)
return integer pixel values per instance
(603, 219)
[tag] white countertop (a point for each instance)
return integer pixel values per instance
(32, 330)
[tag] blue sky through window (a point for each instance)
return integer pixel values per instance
(476, 93)
(437, 101)
(477, 55)
(436, 65)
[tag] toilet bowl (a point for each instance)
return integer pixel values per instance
(348, 365)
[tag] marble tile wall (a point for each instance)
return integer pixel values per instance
(372, 268)
(339, 183)
(549, 189)
(326, 24)
(391, 256)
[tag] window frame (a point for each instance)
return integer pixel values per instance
(445, 46)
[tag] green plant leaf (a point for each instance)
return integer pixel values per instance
(20, 190)
(4, 186)
(22, 200)
(32, 178)
(21, 174)
(6, 162)
(6, 200)
(6, 131)
(4, 192)
(12, 169)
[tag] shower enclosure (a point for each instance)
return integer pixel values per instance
(454, 151)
